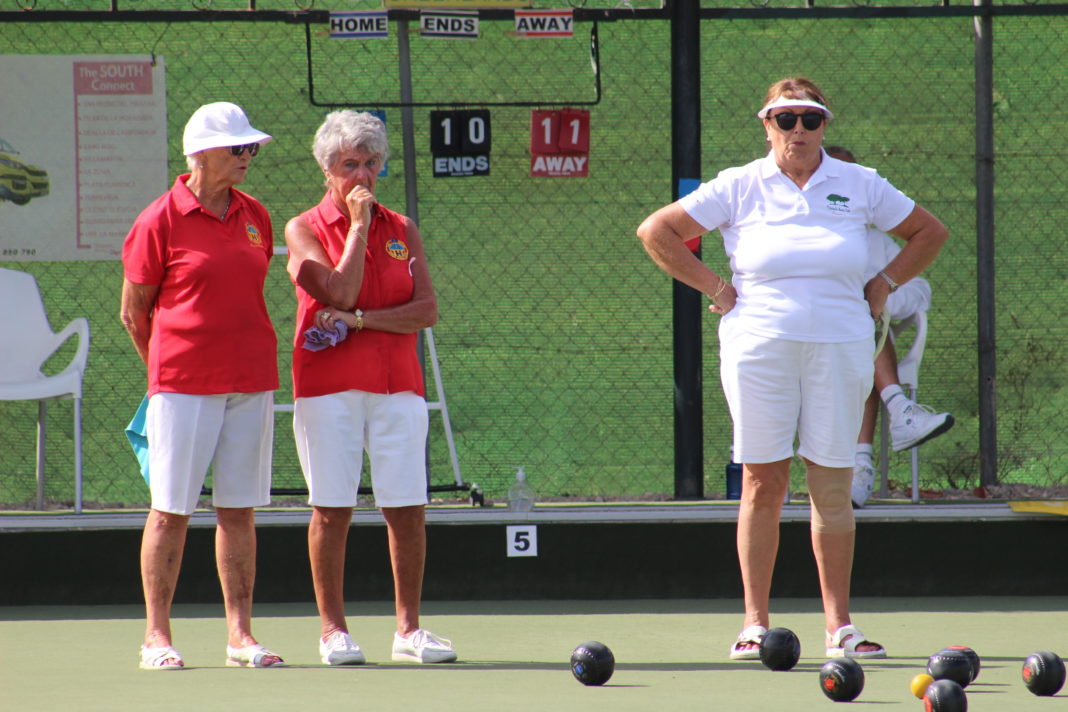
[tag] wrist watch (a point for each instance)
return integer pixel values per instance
(358, 313)
(893, 285)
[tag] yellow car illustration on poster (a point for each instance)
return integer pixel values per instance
(20, 182)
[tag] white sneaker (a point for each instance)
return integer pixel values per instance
(422, 646)
(916, 425)
(863, 482)
(340, 649)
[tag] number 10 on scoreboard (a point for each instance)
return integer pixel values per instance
(460, 142)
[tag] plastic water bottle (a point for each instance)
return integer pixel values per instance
(734, 478)
(520, 494)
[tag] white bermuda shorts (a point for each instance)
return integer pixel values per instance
(233, 433)
(778, 389)
(332, 432)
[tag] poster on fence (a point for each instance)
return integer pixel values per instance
(83, 149)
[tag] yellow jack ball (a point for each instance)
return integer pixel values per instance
(919, 684)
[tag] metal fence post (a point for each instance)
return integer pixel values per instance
(984, 237)
(686, 301)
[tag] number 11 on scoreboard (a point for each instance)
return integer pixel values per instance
(565, 131)
(560, 143)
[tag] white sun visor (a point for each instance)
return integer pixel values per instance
(787, 101)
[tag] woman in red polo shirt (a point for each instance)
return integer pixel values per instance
(194, 258)
(357, 263)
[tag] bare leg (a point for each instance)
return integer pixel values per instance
(834, 561)
(235, 556)
(162, 546)
(407, 552)
(886, 368)
(328, 535)
(867, 423)
(763, 488)
(885, 375)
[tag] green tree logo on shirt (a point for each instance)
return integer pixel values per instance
(837, 203)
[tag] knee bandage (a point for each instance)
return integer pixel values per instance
(829, 490)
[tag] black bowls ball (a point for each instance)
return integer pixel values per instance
(842, 679)
(780, 649)
(951, 664)
(945, 696)
(973, 658)
(1043, 673)
(592, 663)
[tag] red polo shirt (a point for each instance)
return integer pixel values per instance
(369, 360)
(210, 328)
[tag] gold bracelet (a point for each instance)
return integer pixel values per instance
(721, 288)
(358, 313)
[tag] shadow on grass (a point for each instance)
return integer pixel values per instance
(781, 606)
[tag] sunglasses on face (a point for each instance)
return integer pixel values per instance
(253, 149)
(811, 120)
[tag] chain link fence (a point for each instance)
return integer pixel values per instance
(555, 336)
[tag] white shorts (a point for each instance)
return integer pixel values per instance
(911, 297)
(778, 389)
(231, 432)
(332, 431)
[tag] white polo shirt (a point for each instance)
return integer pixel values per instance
(799, 255)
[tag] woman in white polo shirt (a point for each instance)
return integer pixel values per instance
(796, 337)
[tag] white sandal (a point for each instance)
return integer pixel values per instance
(843, 644)
(753, 634)
(252, 656)
(156, 658)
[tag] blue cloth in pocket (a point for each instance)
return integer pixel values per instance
(136, 434)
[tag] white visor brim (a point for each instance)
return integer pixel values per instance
(787, 101)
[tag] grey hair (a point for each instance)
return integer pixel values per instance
(347, 130)
(192, 161)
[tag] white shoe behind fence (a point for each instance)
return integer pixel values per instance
(916, 425)
(863, 482)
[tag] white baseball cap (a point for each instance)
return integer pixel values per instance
(218, 125)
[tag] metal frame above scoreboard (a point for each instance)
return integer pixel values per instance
(595, 61)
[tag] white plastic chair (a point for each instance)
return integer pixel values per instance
(26, 343)
(908, 372)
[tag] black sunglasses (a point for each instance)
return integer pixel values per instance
(254, 148)
(811, 120)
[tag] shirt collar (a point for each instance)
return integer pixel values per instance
(329, 210)
(826, 170)
(828, 166)
(768, 166)
(187, 203)
(183, 197)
